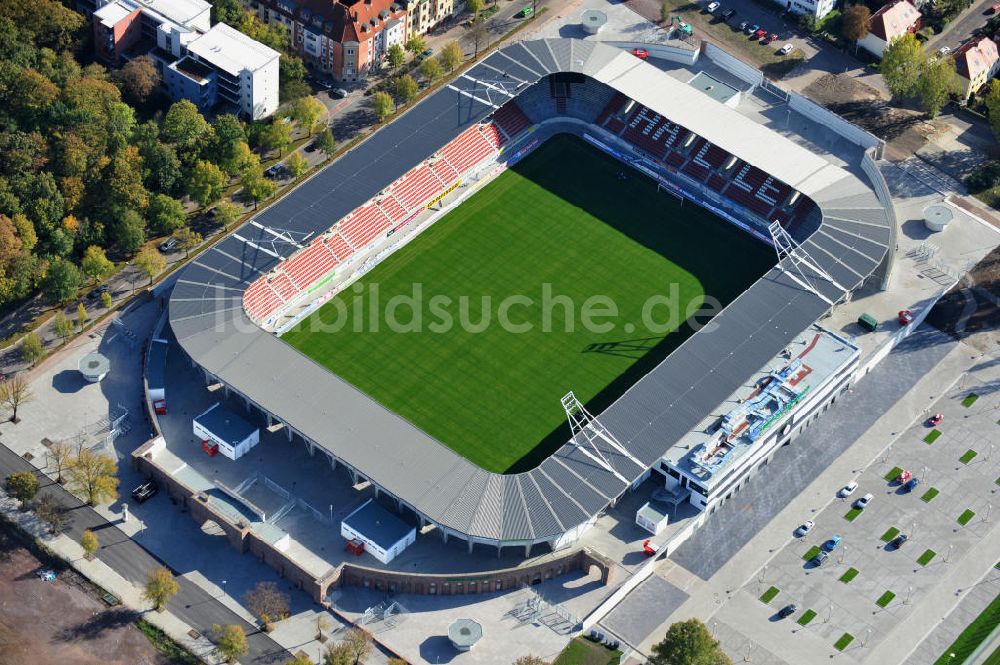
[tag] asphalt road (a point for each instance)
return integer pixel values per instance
(191, 605)
(958, 31)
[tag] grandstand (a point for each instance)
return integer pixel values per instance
(689, 143)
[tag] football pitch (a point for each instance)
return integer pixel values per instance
(559, 275)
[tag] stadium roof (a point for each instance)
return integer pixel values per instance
(568, 488)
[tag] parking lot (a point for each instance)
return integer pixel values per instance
(866, 586)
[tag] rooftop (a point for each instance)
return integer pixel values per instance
(225, 424)
(378, 524)
(976, 57)
(112, 14)
(893, 20)
(231, 50)
(193, 69)
(713, 87)
(181, 12)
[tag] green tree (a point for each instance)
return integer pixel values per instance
(992, 101)
(431, 69)
(474, 7)
(267, 603)
(902, 63)
(62, 281)
(296, 164)
(14, 392)
(854, 22)
(308, 111)
(150, 262)
(227, 11)
(138, 79)
(416, 45)
(62, 326)
(396, 56)
(230, 642)
(256, 186)
(206, 183)
(688, 643)
(160, 588)
(300, 659)
(240, 159)
(81, 315)
(89, 543)
(32, 349)
(187, 239)
(183, 123)
(226, 213)
(227, 132)
(383, 105)
(128, 232)
(276, 136)
(95, 263)
(406, 88)
(936, 84)
(326, 143)
(665, 9)
(451, 56)
(161, 168)
(95, 475)
(23, 486)
(165, 214)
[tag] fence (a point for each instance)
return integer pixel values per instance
(732, 64)
(885, 198)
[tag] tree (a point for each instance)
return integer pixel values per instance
(23, 486)
(240, 158)
(451, 56)
(688, 643)
(992, 101)
(406, 88)
(230, 642)
(89, 543)
(267, 603)
(416, 44)
(150, 262)
(54, 512)
(60, 456)
(14, 392)
(95, 475)
(530, 660)
(256, 186)
(206, 183)
(160, 588)
(307, 111)
(137, 79)
(326, 143)
(383, 105)
(226, 213)
(854, 22)
(431, 69)
(480, 35)
(902, 62)
(62, 281)
(227, 11)
(165, 214)
(62, 326)
(665, 9)
(107, 300)
(474, 7)
(337, 654)
(936, 84)
(81, 315)
(296, 164)
(32, 348)
(187, 239)
(183, 123)
(396, 56)
(276, 136)
(300, 659)
(128, 232)
(358, 645)
(95, 264)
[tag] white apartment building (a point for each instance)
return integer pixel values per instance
(247, 70)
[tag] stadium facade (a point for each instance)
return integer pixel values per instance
(264, 275)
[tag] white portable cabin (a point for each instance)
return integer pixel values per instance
(233, 434)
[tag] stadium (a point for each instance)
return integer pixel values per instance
(556, 161)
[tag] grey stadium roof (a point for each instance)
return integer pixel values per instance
(568, 488)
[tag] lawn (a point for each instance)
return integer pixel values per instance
(769, 595)
(806, 617)
(174, 652)
(973, 636)
(849, 575)
(891, 533)
(929, 495)
(843, 642)
(555, 236)
(885, 599)
(966, 517)
(893, 474)
(584, 652)
(968, 456)
(926, 557)
(969, 400)
(810, 553)
(932, 436)
(852, 514)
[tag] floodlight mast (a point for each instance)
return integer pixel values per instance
(586, 430)
(786, 247)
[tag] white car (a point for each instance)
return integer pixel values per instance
(944, 50)
(712, 7)
(786, 49)
(806, 527)
(863, 501)
(847, 490)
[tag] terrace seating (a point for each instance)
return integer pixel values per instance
(418, 186)
(444, 170)
(586, 100)
(675, 159)
(392, 208)
(283, 285)
(338, 245)
(716, 156)
(310, 264)
(465, 151)
(492, 134)
(746, 199)
(260, 301)
(511, 119)
(717, 182)
(364, 225)
(610, 108)
(773, 191)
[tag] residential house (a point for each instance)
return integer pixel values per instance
(891, 22)
(977, 62)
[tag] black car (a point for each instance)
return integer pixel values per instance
(96, 293)
(820, 558)
(145, 491)
(898, 541)
(728, 14)
(311, 147)
(787, 610)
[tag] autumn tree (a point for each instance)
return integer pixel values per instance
(276, 136)
(62, 326)
(95, 264)
(226, 213)
(23, 486)
(138, 79)
(206, 183)
(81, 315)
(902, 62)
(107, 300)
(267, 603)
(129, 231)
(94, 475)
(530, 660)
(431, 69)
(688, 643)
(89, 543)
(230, 642)
(326, 143)
(60, 456)
(406, 88)
(480, 36)
(300, 659)
(32, 348)
(183, 123)
(296, 164)
(54, 512)
(474, 7)
(383, 105)
(150, 262)
(160, 588)
(416, 45)
(308, 111)
(187, 239)
(451, 56)
(854, 22)
(256, 186)
(165, 214)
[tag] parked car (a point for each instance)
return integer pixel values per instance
(847, 490)
(898, 541)
(728, 14)
(760, 33)
(168, 245)
(831, 544)
(944, 50)
(744, 25)
(785, 50)
(338, 93)
(903, 477)
(910, 484)
(773, 37)
(145, 491)
(805, 528)
(820, 558)
(863, 501)
(712, 7)
(96, 293)
(640, 53)
(787, 611)
(751, 29)
(905, 317)
(935, 420)
(311, 147)
(274, 171)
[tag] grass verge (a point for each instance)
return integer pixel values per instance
(929, 495)
(932, 436)
(849, 575)
(968, 456)
(974, 634)
(581, 651)
(852, 514)
(806, 617)
(969, 400)
(886, 598)
(926, 557)
(891, 533)
(810, 553)
(966, 517)
(893, 474)
(173, 652)
(844, 641)
(769, 595)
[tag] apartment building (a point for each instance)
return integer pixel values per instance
(977, 62)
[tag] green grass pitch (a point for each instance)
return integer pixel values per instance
(562, 217)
